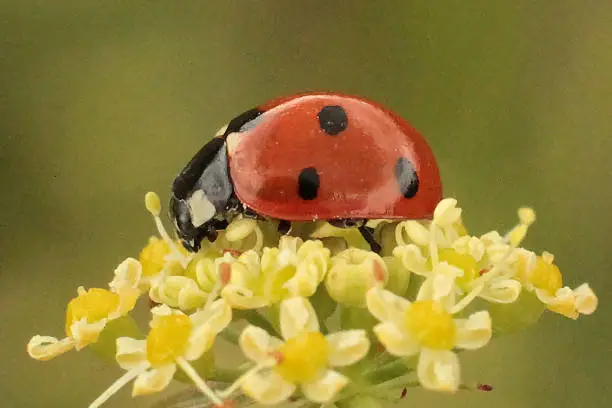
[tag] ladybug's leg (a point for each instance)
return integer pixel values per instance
(366, 232)
(368, 235)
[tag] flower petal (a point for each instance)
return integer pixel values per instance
(469, 245)
(161, 310)
(415, 231)
(502, 291)
(446, 212)
(45, 348)
(305, 281)
(128, 296)
(216, 317)
(412, 259)
(153, 380)
(242, 298)
(127, 274)
(256, 343)
(130, 352)
(85, 333)
(441, 283)
(347, 347)
(473, 332)
(439, 370)
(586, 300)
(396, 341)
(296, 316)
(267, 387)
(386, 306)
(200, 341)
(325, 387)
(562, 302)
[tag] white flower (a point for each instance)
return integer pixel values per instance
(426, 328)
(89, 312)
(174, 340)
(303, 358)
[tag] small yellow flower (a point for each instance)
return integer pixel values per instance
(302, 358)
(295, 268)
(352, 273)
(174, 340)
(427, 328)
(192, 291)
(466, 266)
(544, 278)
(89, 312)
(153, 256)
(242, 234)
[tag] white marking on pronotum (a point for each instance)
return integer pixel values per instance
(232, 141)
(201, 208)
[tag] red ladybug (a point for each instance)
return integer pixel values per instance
(306, 157)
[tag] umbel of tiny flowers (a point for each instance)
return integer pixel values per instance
(304, 309)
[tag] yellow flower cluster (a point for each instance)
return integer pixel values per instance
(305, 309)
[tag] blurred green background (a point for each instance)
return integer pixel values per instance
(103, 101)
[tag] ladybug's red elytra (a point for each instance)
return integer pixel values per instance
(310, 156)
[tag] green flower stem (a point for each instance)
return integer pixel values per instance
(394, 369)
(403, 381)
(269, 319)
(255, 318)
(360, 401)
(380, 359)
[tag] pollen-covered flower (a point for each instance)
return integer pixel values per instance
(425, 327)
(544, 278)
(295, 268)
(88, 313)
(174, 340)
(303, 357)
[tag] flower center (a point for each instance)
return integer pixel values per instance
(431, 324)
(93, 305)
(546, 276)
(167, 339)
(465, 262)
(152, 256)
(303, 357)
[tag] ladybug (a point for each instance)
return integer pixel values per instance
(306, 157)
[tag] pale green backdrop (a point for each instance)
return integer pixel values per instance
(103, 100)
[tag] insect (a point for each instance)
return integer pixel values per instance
(306, 157)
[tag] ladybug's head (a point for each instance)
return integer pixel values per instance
(200, 195)
(202, 192)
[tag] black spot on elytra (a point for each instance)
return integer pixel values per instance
(333, 119)
(308, 183)
(406, 176)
